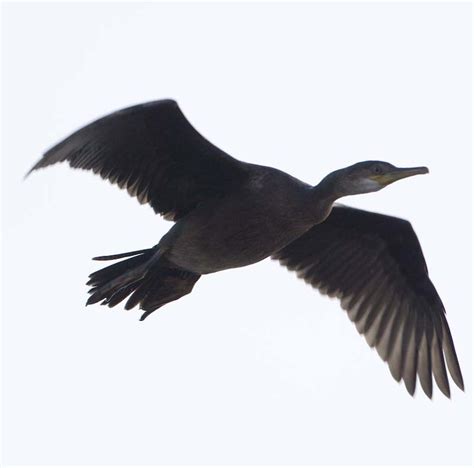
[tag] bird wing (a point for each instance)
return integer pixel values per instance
(374, 264)
(153, 151)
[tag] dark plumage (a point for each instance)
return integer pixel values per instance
(230, 214)
(374, 265)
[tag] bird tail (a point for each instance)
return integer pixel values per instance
(148, 278)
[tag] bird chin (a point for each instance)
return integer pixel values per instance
(369, 185)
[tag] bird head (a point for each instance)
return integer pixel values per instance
(370, 176)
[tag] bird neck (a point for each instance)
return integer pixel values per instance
(323, 196)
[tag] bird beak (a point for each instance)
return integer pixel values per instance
(399, 173)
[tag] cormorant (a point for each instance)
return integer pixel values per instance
(229, 214)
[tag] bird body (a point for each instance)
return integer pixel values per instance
(230, 214)
(238, 230)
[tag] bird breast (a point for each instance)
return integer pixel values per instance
(240, 229)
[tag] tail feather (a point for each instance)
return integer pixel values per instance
(120, 295)
(149, 279)
(138, 295)
(120, 255)
(112, 271)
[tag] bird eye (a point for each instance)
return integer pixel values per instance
(377, 170)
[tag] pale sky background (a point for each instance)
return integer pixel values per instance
(254, 366)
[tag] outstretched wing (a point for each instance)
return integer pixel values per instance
(374, 265)
(153, 151)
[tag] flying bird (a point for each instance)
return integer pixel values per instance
(229, 214)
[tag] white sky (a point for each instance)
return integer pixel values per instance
(254, 366)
